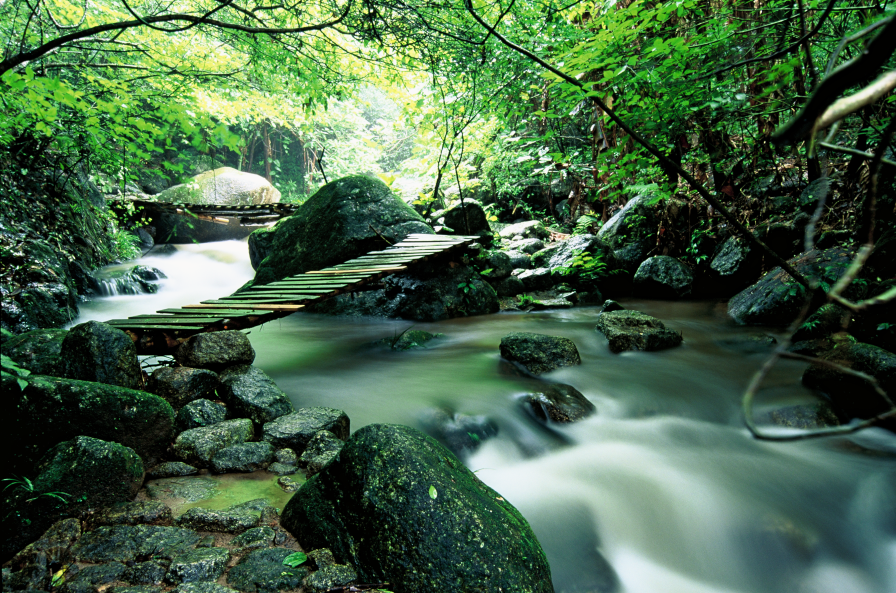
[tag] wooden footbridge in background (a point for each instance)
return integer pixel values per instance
(163, 331)
(253, 215)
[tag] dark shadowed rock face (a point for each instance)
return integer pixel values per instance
(663, 277)
(461, 433)
(735, 263)
(776, 299)
(466, 219)
(344, 219)
(631, 232)
(538, 353)
(94, 351)
(215, 350)
(321, 450)
(557, 402)
(401, 508)
(37, 350)
(198, 413)
(50, 410)
(182, 385)
(633, 330)
(852, 396)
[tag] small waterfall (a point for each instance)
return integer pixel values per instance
(132, 280)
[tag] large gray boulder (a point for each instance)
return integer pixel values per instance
(198, 446)
(633, 330)
(538, 353)
(199, 413)
(37, 350)
(225, 186)
(663, 277)
(295, 430)
(182, 385)
(466, 219)
(344, 219)
(631, 232)
(50, 410)
(243, 457)
(215, 350)
(735, 263)
(400, 508)
(94, 351)
(776, 299)
(250, 393)
(530, 229)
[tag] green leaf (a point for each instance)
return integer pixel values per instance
(433, 493)
(294, 560)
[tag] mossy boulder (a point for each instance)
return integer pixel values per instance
(182, 385)
(538, 353)
(250, 393)
(226, 186)
(94, 351)
(401, 508)
(215, 350)
(263, 571)
(243, 457)
(37, 350)
(631, 232)
(198, 413)
(295, 430)
(663, 277)
(633, 330)
(735, 264)
(466, 219)
(854, 397)
(344, 219)
(776, 299)
(51, 409)
(198, 446)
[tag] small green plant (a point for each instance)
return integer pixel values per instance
(466, 287)
(584, 266)
(487, 272)
(698, 237)
(27, 486)
(524, 300)
(11, 367)
(296, 559)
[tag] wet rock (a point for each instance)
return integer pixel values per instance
(552, 301)
(330, 577)
(751, 344)
(536, 279)
(137, 589)
(461, 433)
(288, 484)
(735, 263)
(529, 246)
(203, 587)
(466, 219)
(295, 430)
(538, 353)
(496, 266)
(345, 219)
(633, 330)
(322, 448)
(188, 489)
(215, 351)
(281, 469)
(244, 457)
(631, 232)
(198, 446)
(806, 417)
(50, 410)
(33, 563)
(250, 393)
(322, 557)
(151, 572)
(828, 319)
(776, 299)
(48, 297)
(234, 519)
(150, 512)
(557, 402)
(397, 489)
(257, 537)
(611, 305)
(37, 350)
(286, 456)
(663, 277)
(810, 347)
(519, 259)
(171, 469)
(852, 396)
(123, 543)
(408, 339)
(510, 286)
(94, 351)
(90, 578)
(263, 571)
(529, 229)
(201, 564)
(182, 385)
(199, 413)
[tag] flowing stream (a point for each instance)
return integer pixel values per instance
(663, 482)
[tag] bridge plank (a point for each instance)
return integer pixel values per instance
(225, 312)
(267, 307)
(162, 327)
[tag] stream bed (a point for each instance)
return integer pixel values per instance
(664, 482)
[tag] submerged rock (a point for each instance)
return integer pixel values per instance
(37, 350)
(407, 340)
(538, 353)
(557, 402)
(663, 277)
(633, 330)
(394, 488)
(94, 351)
(461, 433)
(250, 393)
(215, 350)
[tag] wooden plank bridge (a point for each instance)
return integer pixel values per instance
(252, 215)
(163, 331)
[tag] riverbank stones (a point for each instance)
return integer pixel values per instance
(171, 469)
(538, 353)
(215, 350)
(296, 429)
(201, 564)
(181, 385)
(244, 457)
(97, 352)
(198, 446)
(250, 393)
(633, 330)
(322, 448)
(198, 413)
(37, 350)
(263, 571)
